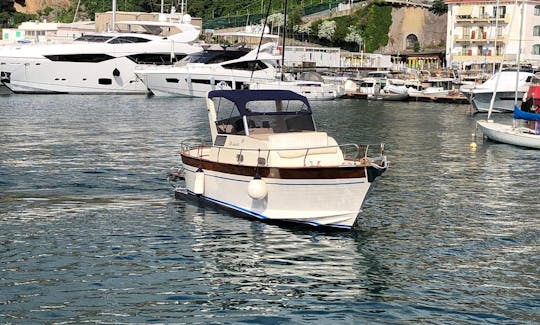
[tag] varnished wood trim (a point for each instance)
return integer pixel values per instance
(277, 172)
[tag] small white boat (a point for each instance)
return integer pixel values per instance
(526, 135)
(314, 88)
(268, 161)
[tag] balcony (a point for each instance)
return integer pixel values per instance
(478, 39)
(482, 19)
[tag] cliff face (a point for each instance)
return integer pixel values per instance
(33, 6)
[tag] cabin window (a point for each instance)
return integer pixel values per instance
(105, 81)
(172, 80)
(155, 58)
(246, 65)
(536, 30)
(91, 58)
(128, 39)
(94, 38)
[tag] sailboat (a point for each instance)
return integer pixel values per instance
(519, 133)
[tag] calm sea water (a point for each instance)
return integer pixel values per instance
(90, 232)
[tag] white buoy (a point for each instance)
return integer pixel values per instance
(257, 188)
(198, 184)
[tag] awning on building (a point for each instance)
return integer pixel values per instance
(465, 10)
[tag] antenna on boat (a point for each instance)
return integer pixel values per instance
(283, 43)
(518, 58)
(262, 35)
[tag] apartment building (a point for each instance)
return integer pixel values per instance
(484, 33)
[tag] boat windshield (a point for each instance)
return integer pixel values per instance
(212, 56)
(94, 38)
(263, 115)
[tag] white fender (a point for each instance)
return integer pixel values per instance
(257, 188)
(198, 184)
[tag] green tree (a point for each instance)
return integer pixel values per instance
(438, 7)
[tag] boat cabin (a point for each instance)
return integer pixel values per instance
(246, 112)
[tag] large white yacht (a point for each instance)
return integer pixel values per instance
(197, 74)
(98, 63)
(504, 84)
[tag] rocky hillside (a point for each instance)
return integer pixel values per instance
(33, 6)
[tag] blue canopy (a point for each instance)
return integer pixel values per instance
(242, 96)
(521, 115)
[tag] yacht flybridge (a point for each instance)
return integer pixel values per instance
(97, 63)
(268, 161)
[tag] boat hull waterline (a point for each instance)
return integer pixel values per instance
(508, 134)
(318, 202)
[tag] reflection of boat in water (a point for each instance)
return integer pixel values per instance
(268, 161)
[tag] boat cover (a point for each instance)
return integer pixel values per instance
(242, 96)
(521, 115)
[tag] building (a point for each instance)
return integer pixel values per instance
(486, 33)
(42, 31)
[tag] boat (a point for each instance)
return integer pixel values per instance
(503, 83)
(197, 74)
(98, 63)
(519, 134)
(313, 89)
(371, 89)
(267, 160)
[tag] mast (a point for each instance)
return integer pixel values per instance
(518, 59)
(113, 15)
(283, 43)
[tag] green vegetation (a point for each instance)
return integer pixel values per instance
(367, 27)
(438, 7)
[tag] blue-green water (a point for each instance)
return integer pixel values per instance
(90, 232)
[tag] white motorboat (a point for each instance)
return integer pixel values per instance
(196, 75)
(312, 89)
(97, 63)
(505, 88)
(268, 161)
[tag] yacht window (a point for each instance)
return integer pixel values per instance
(94, 38)
(80, 57)
(105, 81)
(246, 65)
(155, 58)
(128, 39)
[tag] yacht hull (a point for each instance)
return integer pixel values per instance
(115, 76)
(504, 101)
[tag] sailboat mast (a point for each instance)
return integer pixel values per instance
(283, 42)
(518, 59)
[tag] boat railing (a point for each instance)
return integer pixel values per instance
(352, 153)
